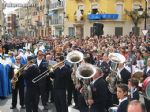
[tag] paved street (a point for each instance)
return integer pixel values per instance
(5, 107)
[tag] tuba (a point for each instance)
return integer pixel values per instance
(112, 78)
(74, 57)
(86, 72)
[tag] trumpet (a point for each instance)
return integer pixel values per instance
(50, 69)
(17, 74)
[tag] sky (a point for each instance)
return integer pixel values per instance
(9, 10)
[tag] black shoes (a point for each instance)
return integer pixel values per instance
(12, 107)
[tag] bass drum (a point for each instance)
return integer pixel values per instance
(146, 87)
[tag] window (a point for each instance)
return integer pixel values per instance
(71, 31)
(119, 9)
(81, 8)
(95, 8)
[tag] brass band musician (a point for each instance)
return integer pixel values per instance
(18, 87)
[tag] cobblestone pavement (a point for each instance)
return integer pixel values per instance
(6, 103)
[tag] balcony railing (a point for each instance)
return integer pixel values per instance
(56, 21)
(103, 16)
(57, 5)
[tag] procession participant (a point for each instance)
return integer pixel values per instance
(32, 91)
(23, 58)
(18, 87)
(123, 74)
(133, 89)
(100, 93)
(122, 93)
(105, 66)
(60, 77)
(49, 80)
(42, 65)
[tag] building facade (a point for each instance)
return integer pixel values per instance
(1, 19)
(80, 16)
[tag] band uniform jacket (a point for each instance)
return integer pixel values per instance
(42, 67)
(125, 76)
(123, 106)
(60, 77)
(105, 68)
(146, 73)
(30, 74)
(135, 95)
(99, 95)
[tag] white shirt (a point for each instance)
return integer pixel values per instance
(121, 100)
(118, 72)
(148, 68)
(39, 62)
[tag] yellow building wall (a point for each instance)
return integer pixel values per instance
(106, 6)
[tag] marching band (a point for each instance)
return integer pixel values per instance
(99, 79)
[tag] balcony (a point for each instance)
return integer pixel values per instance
(56, 21)
(103, 16)
(57, 5)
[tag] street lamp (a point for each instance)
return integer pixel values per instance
(140, 11)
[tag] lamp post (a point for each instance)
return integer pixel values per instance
(140, 11)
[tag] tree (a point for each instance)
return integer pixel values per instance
(136, 19)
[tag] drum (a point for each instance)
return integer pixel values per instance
(146, 87)
(113, 109)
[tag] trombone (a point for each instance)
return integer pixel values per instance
(73, 57)
(50, 69)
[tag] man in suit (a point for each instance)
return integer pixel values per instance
(100, 93)
(19, 86)
(43, 83)
(122, 93)
(32, 91)
(60, 80)
(123, 74)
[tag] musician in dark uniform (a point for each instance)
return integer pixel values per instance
(43, 83)
(17, 87)
(147, 74)
(60, 80)
(133, 89)
(105, 66)
(32, 92)
(123, 73)
(100, 93)
(122, 93)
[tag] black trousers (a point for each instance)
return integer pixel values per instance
(69, 93)
(75, 96)
(60, 100)
(32, 100)
(43, 92)
(18, 88)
